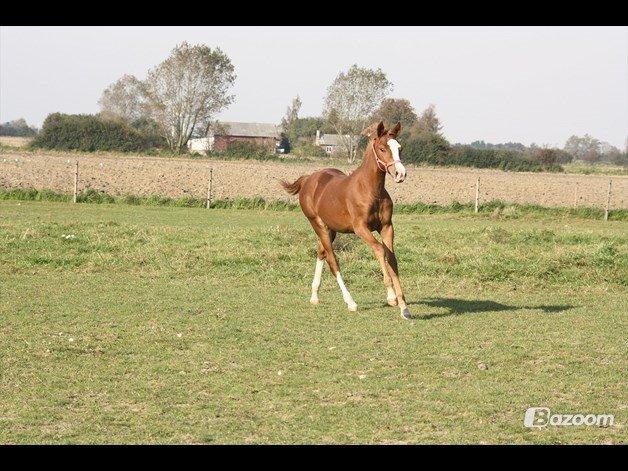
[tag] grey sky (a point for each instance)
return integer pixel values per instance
(497, 84)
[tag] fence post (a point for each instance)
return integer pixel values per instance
(477, 195)
(209, 187)
(608, 199)
(76, 181)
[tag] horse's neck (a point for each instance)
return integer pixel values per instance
(369, 175)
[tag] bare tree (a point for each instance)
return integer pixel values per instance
(123, 100)
(351, 100)
(186, 90)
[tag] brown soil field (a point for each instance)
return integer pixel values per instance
(180, 177)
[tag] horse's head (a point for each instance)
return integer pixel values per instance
(386, 148)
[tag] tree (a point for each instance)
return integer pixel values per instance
(287, 124)
(292, 113)
(186, 90)
(395, 110)
(18, 128)
(351, 100)
(428, 122)
(584, 148)
(124, 100)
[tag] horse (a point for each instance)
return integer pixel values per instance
(357, 203)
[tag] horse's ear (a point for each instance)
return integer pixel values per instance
(380, 129)
(395, 131)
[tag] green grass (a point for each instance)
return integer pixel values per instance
(595, 169)
(496, 209)
(158, 324)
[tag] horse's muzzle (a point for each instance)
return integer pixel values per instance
(400, 172)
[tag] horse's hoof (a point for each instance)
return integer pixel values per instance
(314, 301)
(392, 301)
(405, 313)
(352, 307)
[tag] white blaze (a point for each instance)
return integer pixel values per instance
(399, 168)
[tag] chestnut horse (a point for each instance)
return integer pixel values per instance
(334, 202)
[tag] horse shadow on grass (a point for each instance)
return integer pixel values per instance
(457, 307)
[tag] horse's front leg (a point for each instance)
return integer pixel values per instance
(388, 236)
(387, 258)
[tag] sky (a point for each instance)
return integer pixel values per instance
(497, 84)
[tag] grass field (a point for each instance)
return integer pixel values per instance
(126, 324)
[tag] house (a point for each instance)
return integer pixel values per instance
(265, 134)
(332, 143)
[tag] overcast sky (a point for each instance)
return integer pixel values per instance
(497, 84)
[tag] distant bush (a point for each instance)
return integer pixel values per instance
(506, 146)
(90, 133)
(433, 149)
(502, 159)
(149, 130)
(17, 128)
(244, 150)
(549, 156)
(427, 148)
(308, 149)
(620, 158)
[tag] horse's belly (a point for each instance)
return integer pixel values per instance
(336, 218)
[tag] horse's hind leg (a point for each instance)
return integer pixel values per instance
(318, 272)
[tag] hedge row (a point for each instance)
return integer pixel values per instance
(433, 149)
(244, 150)
(91, 133)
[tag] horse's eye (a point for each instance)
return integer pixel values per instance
(382, 149)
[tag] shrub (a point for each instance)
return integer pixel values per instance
(427, 148)
(307, 149)
(433, 149)
(89, 133)
(149, 129)
(547, 156)
(620, 158)
(244, 150)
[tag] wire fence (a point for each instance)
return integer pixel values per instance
(211, 179)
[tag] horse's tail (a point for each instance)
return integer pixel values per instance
(294, 187)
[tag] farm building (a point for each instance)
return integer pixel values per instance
(265, 134)
(332, 143)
